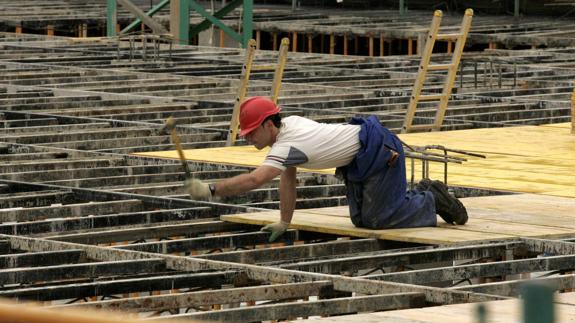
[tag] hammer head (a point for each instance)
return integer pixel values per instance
(168, 126)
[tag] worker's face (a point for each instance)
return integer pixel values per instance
(262, 136)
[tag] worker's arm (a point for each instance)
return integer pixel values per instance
(287, 204)
(246, 182)
(231, 186)
(287, 194)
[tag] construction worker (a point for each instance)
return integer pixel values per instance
(368, 157)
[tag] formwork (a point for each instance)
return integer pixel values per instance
(90, 218)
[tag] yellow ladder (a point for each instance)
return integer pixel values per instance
(424, 66)
(247, 68)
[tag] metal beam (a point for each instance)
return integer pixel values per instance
(340, 306)
(222, 296)
(249, 239)
(219, 15)
(399, 257)
(156, 27)
(513, 288)
(122, 286)
(501, 268)
(150, 13)
(267, 274)
(111, 18)
(200, 9)
(49, 258)
(63, 272)
(295, 252)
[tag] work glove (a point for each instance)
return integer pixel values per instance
(197, 189)
(276, 229)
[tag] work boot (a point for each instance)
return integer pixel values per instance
(449, 208)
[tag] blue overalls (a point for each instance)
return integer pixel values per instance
(376, 191)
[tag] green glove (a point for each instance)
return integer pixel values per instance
(197, 189)
(276, 229)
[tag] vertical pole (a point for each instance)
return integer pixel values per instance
(345, 49)
(370, 45)
(538, 306)
(332, 43)
(401, 7)
(573, 112)
(247, 23)
(111, 18)
(294, 44)
(50, 30)
(516, 11)
(222, 38)
(18, 29)
(258, 38)
(409, 46)
(381, 46)
(275, 41)
(310, 43)
(449, 47)
(180, 21)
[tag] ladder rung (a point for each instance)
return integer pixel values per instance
(430, 97)
(421, 127)
(447, 36)
(439, 67)
(263, 67)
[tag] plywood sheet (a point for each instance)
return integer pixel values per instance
(491, 217)
(529, 159)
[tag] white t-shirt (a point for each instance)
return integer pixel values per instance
(305, 143)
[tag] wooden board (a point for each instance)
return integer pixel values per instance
(491, 217)
(529, 159)
(506, 311)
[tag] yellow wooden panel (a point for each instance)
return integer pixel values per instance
(490, 217)
(530, 159)
(317, 222)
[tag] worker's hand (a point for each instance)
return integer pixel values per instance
(276, 229)
(197, 189)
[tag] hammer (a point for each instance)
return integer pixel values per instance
(170, 126)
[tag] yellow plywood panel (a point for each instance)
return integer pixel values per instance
(531, 159)
(491, 217)
(342, 225)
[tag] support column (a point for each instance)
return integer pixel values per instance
(381, 46)
(50, 30)
(18, 29)
(274, 41)
(222, 38)
(345, 49)
(180, 21)
(112, 18)
(258, 38)
(449, 47)
(409, 46)
(310, 44)
(332, 43)
(294, 42)
(370, 45)
(247, 22)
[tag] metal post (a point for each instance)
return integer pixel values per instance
(402, 8)
(538, 306)
(516, 11)
(111, 18)
(180, 21)
(247, 22)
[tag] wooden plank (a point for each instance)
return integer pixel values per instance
(491, 217)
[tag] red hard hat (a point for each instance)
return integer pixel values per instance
(254, 111)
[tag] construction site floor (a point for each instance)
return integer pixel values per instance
(497, 311)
